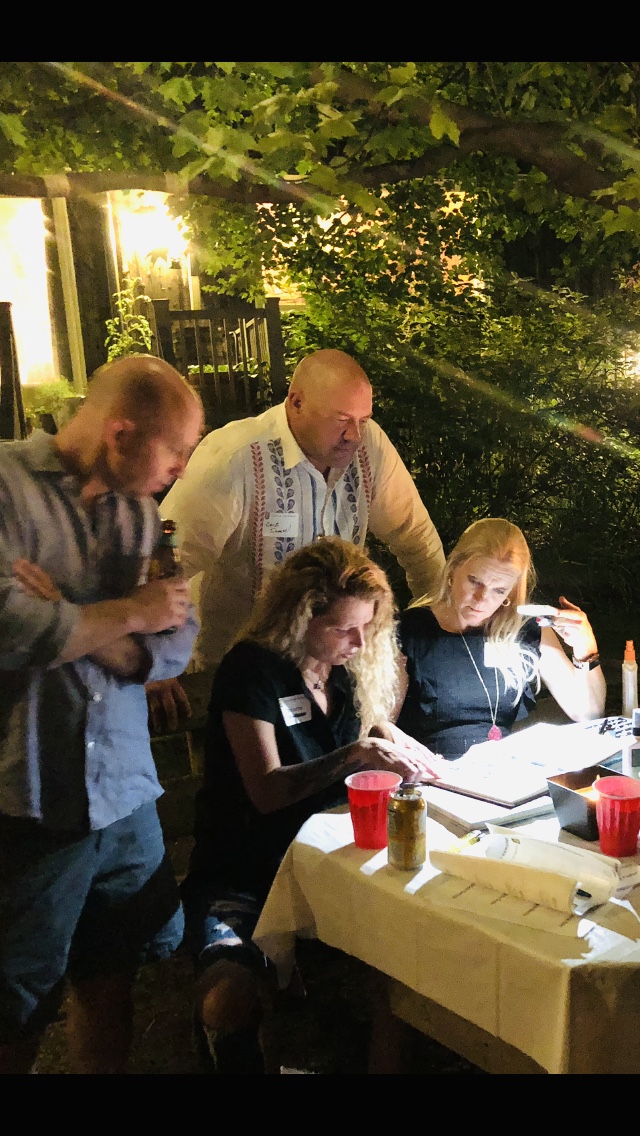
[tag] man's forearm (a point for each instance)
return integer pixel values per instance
(400, 520)
(424, 571)
(418, 548)
(99, 626)
(153, 607)
(126, 658)
(35, 612)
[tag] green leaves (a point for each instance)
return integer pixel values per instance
(480, 377)
(13, 129)
(529, 99)
(339, 124)
(179, 90)
(130, 331)
(335, 125)
(533, 190)
(440, 124)
(617, 119)
(623, 220)
(403, 74)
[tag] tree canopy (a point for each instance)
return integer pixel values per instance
(315, 132)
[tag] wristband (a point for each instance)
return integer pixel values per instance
(588, 664)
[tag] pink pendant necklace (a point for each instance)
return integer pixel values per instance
(495, 733)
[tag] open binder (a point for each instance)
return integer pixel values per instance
(514, 770)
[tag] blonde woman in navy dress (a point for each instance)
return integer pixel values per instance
(474, 665)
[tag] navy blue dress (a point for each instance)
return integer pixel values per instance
(446, 706)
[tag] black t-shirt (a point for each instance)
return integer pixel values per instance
(235, 844)
(446, 706)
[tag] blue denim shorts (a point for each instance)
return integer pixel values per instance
(83, 907)
(220, 923)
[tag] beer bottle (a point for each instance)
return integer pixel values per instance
(165, 561)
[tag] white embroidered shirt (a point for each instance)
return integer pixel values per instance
(249, 497)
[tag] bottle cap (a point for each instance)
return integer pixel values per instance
(629, 652)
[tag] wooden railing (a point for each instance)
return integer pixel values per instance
(232, 352)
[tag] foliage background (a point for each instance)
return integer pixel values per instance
(469, 231)
(507, 395)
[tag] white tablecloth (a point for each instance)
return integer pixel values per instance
(563, 990)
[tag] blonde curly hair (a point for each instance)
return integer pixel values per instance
(495, 538)
(309, 582)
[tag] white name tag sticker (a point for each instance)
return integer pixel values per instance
(295, 709)
(281, 524)
(490, 655)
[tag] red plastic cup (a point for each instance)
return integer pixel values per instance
(618, 815)
(369, 791)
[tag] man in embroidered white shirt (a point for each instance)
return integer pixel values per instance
(259, 488)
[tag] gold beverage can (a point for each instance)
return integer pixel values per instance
(407, 827)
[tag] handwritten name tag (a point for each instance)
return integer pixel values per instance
(281, 524)
(493, 658)
(295, 709)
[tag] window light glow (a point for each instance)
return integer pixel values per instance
(23, 282)
(149, 235)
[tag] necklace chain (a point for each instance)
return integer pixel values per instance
(495, 730)
(318, 684)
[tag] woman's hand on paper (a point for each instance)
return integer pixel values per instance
(421, 763)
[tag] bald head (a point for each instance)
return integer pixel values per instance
(325, 370)
(143, 390)
(136, 429)
(328, 406)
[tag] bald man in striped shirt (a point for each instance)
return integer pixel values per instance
(85, 886)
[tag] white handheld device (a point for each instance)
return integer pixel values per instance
(544, 613)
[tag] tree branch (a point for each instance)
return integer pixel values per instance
(535, 144)
(541, 145)
(72, 185)
(529, 143)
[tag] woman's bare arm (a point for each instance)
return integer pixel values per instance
(580, 693)
(271, 785)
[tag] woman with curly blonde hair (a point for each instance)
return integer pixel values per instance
(293, 704)
(474, 663)
(306, 587)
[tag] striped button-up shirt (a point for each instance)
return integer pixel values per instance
(74, 743)
(250, 497)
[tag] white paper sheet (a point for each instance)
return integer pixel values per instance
(516, 768)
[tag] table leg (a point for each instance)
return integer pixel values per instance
(390, 1045)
